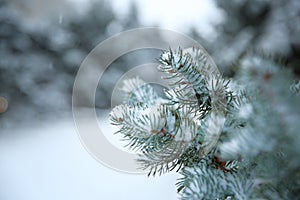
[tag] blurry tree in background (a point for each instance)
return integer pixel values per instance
(43, 44)
(39, 61)
(269, 27)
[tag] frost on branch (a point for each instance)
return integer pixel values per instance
(236, 139)
(205, 182)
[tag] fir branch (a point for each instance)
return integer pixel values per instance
(205, 182)
(152, 127)
(295, 87)
(172, 154)
(188, 86)
(164, 159)
(140, 124)
(185, 131)
(135, 91)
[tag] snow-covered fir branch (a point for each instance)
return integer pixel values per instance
(230, 139)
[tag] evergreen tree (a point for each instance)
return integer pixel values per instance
(229, 139)
(38, 64)
(271, 27)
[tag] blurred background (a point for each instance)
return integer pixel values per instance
(43, 43)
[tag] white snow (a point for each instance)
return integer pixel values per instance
(47, 161)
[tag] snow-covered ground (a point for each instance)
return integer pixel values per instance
(46, 161)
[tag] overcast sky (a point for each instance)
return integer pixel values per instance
(175, 14)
